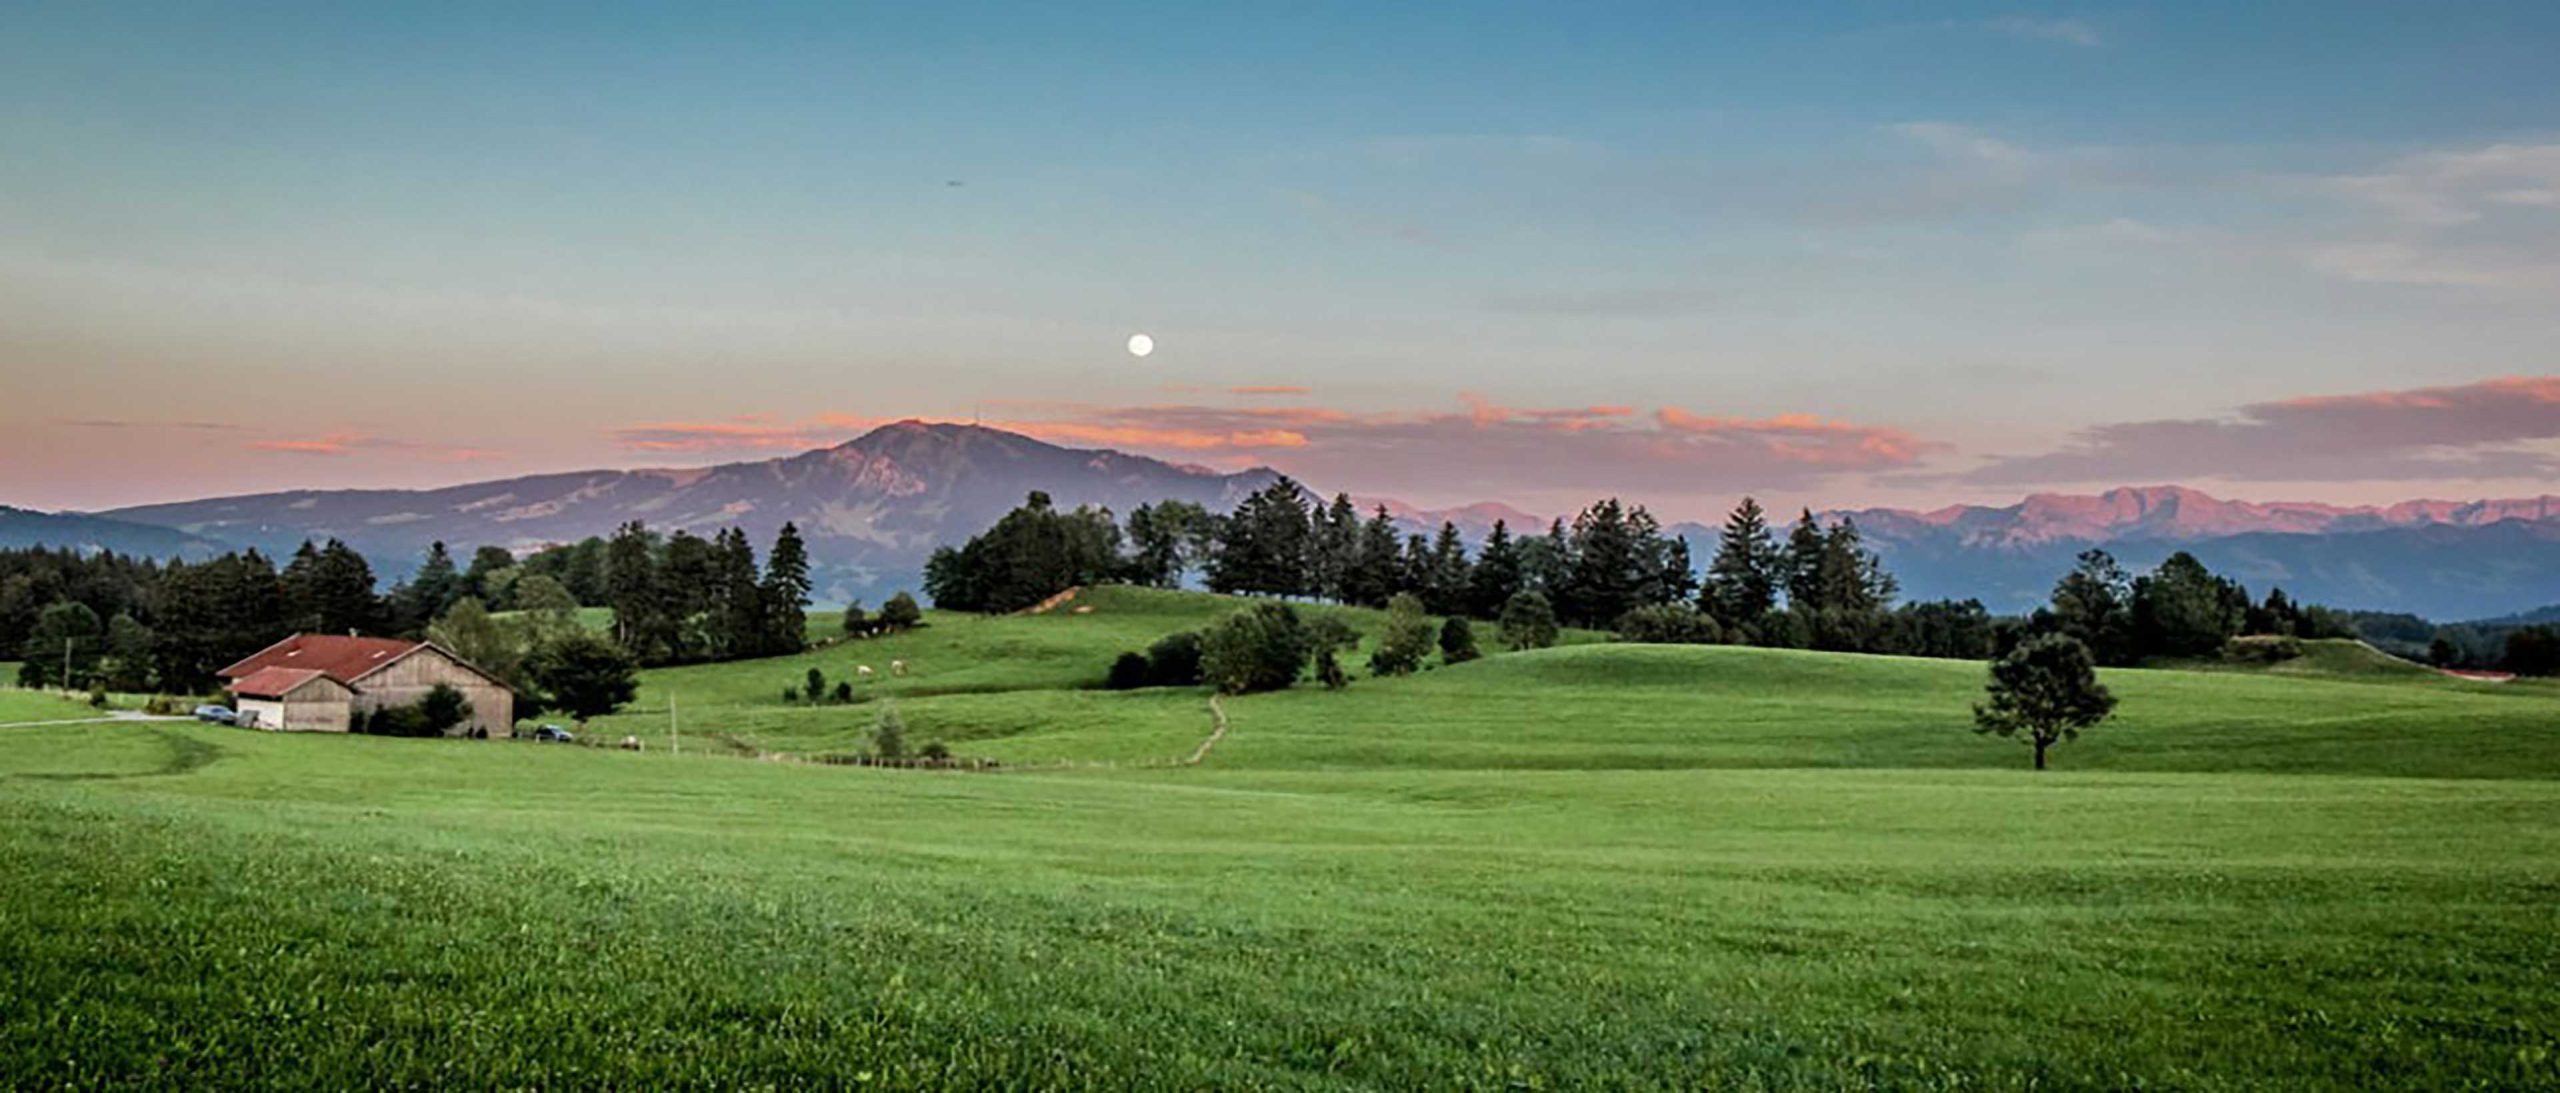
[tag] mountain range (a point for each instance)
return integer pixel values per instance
(21, 528)
(874, 507)
(2439, 559)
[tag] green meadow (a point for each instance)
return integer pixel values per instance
(1592, 866)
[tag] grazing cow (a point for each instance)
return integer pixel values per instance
(862, 670)
(898, 668)
(631, 743)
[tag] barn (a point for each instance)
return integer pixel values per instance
(321, 682)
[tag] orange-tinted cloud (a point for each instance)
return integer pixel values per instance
(348, 443)
(1269, 389)
(2483, 430)
(1484, 449)
(331, 444)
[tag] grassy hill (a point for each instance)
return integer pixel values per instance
(1590, 866)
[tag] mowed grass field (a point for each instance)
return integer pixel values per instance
(1595, 866)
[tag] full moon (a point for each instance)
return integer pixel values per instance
(1140, 345)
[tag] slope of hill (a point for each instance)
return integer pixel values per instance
(872, 508)
(21, 528)
(1598, 866)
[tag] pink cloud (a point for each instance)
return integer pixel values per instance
(1483, 449)
(1269, 389)
(2478, 430)
(344, 443)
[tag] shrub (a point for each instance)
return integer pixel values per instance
(844, 692)
(442, 709)
(1329, 636)
(1458, 641)
(395, 721)
(790, 695)
(1668, 624)
(98, 696)
(1529, 620)
(900, 613)
(816, 688)
(1260, 648)
(889, 735)
(1128, 672)
(1408, 638)
(1174, 660)
(856, 620)
(934, 751)
(2261, 650)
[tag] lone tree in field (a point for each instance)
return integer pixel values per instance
(2047, 689)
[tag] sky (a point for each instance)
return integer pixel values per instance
(1827, 254)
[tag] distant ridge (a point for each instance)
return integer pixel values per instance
(2439, 559)
(875, 506)
(872, 508)
(2177, 514)
(21, 528)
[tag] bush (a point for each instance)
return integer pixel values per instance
(1174, 660)
(790, 696)
(889, 736)
(1329, 636)
(1458, 641)
(900, 613)
(856, 620)
(393, 721)
(934, 751)
(442, 709)
(1128, 673)
(2261, 650)
(817, 686)
(1668, 624)
(1529, 620)
(1260, 648)
(844, 692)
(1408, 638)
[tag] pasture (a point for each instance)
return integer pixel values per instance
(1632, 867)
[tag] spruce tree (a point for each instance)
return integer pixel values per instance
(1804, 564)
(785, 595)
(1496, 576)
(1445, 593)
(1743, 579)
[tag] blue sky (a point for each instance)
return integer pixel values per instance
(1837, 254)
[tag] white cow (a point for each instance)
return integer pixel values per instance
(862, 670)
(898, 668)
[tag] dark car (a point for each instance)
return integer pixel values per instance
(554, 734)
(219, 715)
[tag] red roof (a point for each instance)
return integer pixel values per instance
(344, 659)
(274, 682)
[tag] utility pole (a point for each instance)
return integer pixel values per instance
(674, 745)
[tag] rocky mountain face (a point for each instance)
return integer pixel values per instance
(2179, 514)
(2440, 559)
(871, 509)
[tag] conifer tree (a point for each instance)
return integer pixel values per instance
(1744, 577)
(785, 595)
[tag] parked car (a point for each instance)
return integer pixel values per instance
(219, 715)
(554, 734)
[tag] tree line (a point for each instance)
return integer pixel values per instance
(115, 622)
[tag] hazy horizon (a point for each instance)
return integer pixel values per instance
(1848, 257)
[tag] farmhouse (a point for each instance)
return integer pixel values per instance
(319, 683)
